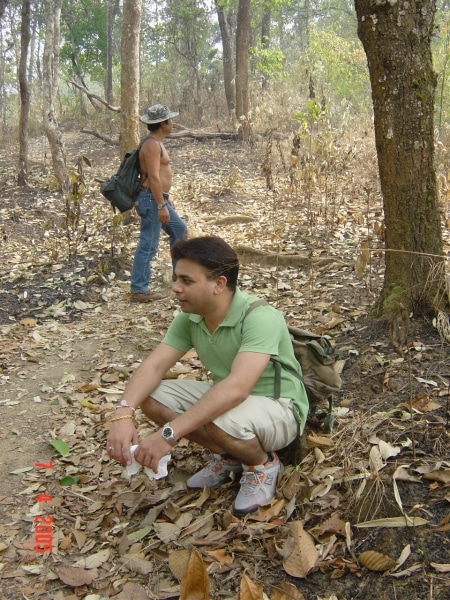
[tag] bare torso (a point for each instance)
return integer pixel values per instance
(152, 152)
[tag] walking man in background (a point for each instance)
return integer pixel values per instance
(154, 205)
(235, 415)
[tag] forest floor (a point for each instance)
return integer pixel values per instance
(366, 514)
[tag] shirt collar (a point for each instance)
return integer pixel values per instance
(232, 317)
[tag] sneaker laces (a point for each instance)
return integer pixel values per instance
(250, 480)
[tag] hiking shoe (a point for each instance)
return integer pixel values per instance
(258, 485)
(145, 296)
(216, 472)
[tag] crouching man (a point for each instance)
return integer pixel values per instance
(235, 416)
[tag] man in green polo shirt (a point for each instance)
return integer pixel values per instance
(235, 415)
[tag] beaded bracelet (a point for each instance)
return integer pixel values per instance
(124, 404)
(122, 417)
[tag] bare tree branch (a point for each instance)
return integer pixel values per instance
(95, 97)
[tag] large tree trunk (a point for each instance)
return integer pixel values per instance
(226, 32)
(129, 112)
(396, 37)
(242, 48)
(25, 36)
(52, 10)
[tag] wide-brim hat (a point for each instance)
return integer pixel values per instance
(157, 114)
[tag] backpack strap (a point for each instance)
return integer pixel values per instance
(277, 365)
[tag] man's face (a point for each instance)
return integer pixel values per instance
(194, 291)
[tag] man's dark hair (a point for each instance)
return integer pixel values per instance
(155, 126)
(212, 253)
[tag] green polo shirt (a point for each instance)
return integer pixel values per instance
(264, 331)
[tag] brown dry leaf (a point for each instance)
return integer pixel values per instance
(407, 572)
(286, 591)
(136, 564)
(199, 527)
(132, 591)
(441, 568)
(75, 576)
(332, 525)
(80, 538)
(221, 556)
(266, 513)
(249, 590)
(443, 476)
(386, 450)
(93, 561)
(318, 441)
(362, 261)
(376, 561)
(423, 403)
(178, 562)
(303, 555)
(195, 582)
(167, 532)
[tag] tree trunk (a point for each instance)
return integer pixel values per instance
(3, 5)
(109, 53)
(396, 39)
(129, 82)
(265, 36)
(25, 98)
(226, 32)
(52, 10)
(242, 48)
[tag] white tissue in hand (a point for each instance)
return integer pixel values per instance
(135, 467)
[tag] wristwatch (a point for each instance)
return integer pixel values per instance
(168, 434)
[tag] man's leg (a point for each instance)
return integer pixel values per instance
(176, 229)
(148, 243)
(241, 440)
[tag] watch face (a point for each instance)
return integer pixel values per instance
(167, 433)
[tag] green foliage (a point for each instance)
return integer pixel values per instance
(338, 68)
(83, 28)
(61, 446)
(268, 61)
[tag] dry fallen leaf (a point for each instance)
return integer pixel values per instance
(303, 554)
(195, 582)
(286, 591)
(178, 562)
(441, 568)
(132, 591)
(249, 590)
(376, 561)
(75, 576)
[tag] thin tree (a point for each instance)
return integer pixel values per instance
(227, 24)
(242, 51)
(25, 97)
(396, 37)
(52, 10)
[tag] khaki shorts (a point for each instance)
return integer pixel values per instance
(272, 421)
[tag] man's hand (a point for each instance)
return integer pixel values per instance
(122, 435)
(151, 450)
(163, 216)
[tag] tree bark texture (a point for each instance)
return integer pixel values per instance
(52, 10)
(242, 48)
(129, 81)
(25, 97)
(109, 53)
(396, 37)
(226, 32)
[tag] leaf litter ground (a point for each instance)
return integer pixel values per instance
(367, 513)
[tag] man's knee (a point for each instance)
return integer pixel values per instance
(150, 407)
